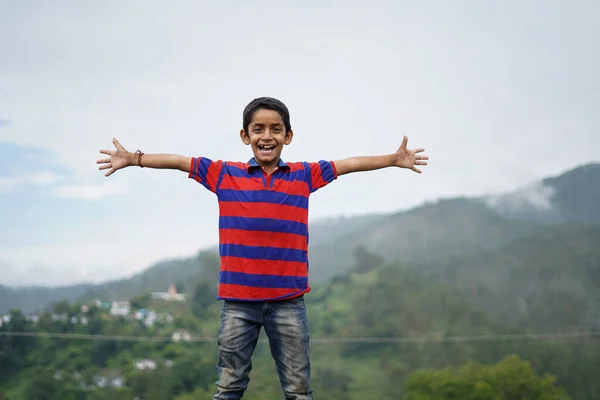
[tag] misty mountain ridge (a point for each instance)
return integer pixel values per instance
(573, 196)
(427, 236)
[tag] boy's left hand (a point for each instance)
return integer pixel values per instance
(408, 158)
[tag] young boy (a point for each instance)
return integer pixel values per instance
(263, 240)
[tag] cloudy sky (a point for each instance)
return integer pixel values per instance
(499, 93)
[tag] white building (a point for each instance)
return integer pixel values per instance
(180, 335)
(120, 307)
(148, 317)
(141, 365)
(170, 295)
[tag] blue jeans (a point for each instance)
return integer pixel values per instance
(286, 326)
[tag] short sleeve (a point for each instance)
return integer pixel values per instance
(206, 172)
(320, 174)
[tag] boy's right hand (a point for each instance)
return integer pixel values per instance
(119, 158)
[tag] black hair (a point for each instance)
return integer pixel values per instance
(268, 103)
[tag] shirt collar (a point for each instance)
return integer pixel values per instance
(252, 163)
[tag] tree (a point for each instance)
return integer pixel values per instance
(365, 260)
(180, 286)
(512, 377)
(202, 298)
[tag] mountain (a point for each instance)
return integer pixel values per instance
(34, 298)
(435, 232)
(573, 196)
(549, 281)
(427, 236)
(157, 278)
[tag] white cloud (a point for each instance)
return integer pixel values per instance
(88, 191)
(36, 179)
(536, 195)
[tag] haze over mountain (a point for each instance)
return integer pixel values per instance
(433, 236)
(573, 196)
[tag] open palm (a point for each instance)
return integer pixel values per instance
(408, 158)
(119, 158)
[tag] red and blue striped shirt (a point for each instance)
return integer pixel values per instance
(263, 225)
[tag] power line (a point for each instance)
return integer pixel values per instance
(317, 340)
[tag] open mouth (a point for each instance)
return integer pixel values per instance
(266, 149)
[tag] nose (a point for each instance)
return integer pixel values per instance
(267, 134)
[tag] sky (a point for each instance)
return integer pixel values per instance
(500, 94)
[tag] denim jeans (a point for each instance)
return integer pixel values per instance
(286, 327)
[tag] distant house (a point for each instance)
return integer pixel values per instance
(181, 334)
(103, 305)
(148, 317)
(170, 295)
(32, 318)
(60, 317)
(109, 378)
(141, 365)
(120, 307)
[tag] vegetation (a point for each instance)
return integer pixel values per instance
(371, 300)
(511, 378)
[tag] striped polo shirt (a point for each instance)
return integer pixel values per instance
(263, 225)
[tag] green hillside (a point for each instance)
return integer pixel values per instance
(427, 234)
(156, 278)
(557, 269)
(34, 298)
(373, 299)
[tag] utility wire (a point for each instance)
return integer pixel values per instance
(316, 340)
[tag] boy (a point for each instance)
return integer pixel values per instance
(263, 240)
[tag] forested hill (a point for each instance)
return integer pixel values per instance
(426, 236)
(529, 289)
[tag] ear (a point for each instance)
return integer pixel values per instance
(245, 138)
(288, 137)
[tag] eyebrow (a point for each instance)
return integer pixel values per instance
(259, 124)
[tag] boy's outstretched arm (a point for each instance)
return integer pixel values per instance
(403, 158)
(121, 158)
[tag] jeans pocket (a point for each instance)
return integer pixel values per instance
(298, 303)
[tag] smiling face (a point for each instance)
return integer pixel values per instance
(266, 135)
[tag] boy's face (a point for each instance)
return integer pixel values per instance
(266, 136)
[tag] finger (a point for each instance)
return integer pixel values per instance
(420, 162)
(117, 144)
(422, 158)
(109, 173)
(104, 166)
(404, 142)
(419, 150)
(107, 152)
(417, 170)
(104, 160)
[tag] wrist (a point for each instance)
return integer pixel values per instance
(131, 159)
